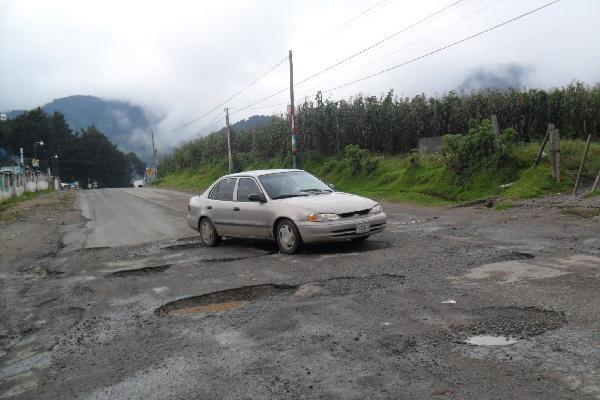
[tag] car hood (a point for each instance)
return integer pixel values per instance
(336, 203)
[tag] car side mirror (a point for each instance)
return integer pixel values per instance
(256, 197)
(331, 185)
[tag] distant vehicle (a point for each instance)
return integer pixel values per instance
(138, 183)
(289, 206)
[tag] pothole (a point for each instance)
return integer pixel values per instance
(207, 308)
(491, 340)
(183, 246)
(231, 299)
(224, 300)
(124, 273)
(348, 247)
(519, 255)
(510, 322)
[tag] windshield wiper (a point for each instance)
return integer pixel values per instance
(285, 196)
(316, 190)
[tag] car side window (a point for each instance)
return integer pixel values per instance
(225, 192)
(246, 186)
(213, 193)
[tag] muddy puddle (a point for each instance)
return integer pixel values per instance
(224, 300)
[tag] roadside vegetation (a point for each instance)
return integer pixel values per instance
(14, 208)
(367, 146)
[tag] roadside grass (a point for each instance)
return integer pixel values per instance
(595, 193)
(15, 207)
(6, 204)
(582, 212)
(422, 180)
(504, 205)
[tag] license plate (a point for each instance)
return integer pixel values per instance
(363, 228)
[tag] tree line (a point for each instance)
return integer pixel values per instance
(83, 155)
(392, 125)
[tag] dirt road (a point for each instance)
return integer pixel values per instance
(112, 297)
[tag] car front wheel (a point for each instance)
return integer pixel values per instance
(208, 233)
(288, 237)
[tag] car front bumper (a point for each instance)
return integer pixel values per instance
(342, 229)
(192, 222)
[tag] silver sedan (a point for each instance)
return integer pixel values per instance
(288, 205)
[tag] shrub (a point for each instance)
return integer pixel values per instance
(414, 158)
(466, 152)
(355, 155)
(370, 165)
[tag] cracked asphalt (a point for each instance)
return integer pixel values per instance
(111, 296)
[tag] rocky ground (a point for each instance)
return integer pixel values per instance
(465, 303)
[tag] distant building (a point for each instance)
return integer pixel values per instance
(2, 117)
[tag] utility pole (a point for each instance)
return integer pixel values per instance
(228, 140)
(153, 156)
(294, 133)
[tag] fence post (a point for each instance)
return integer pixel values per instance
(557, 154)
(585, 152)
(539, 156)
(496, 126)
(596, 182)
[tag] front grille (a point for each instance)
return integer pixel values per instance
(355, 213)
(350, 232)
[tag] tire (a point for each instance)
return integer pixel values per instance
(359, 239)
(287, 237)
(208, 233)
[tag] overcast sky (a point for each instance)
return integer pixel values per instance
(179, 59)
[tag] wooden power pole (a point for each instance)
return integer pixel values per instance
(228, 140)
(294, 133)
(153, 156)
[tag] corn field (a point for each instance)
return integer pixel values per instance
(392, 125)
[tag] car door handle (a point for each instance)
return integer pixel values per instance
(236, 209)
(209, 207)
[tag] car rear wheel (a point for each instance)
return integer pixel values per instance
(288, 237)
(208, 233)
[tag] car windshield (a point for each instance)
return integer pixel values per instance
(291, 184)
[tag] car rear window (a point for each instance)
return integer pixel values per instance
(225, 190)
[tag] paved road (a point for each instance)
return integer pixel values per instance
(122, 217)
(134, 307)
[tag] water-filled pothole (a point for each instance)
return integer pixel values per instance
(512, 322)
(491, 340)
(223, 300)
(124, 273)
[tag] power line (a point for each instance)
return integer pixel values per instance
(380, 42)
(430, 35)
(444, 47)
(228, 99)
(356, 17)
(366, 49)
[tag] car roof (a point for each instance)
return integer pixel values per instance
(260, 172)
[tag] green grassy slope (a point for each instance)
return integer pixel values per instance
(422, 180)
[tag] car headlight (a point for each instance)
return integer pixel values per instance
(375, 210)
(317, 217)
